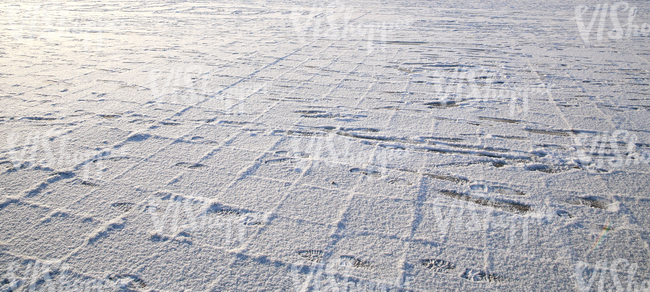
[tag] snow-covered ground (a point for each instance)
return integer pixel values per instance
(324, 146)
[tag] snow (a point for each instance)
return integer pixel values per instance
(324, 146)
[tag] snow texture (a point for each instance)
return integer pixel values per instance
(324, 146)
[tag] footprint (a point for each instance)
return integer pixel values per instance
(128, 281)
(138, 137)
(341, 116)
(280, 160)
(355, 262)
(305, 134)
(599, 228)
(124, 207)
(499, 164)
(510, 137)
(438, 265)
(454, 179)
(540, 167)
(221, 210)
(90, 184)
(444, 139)
(504, 205)
(593, 202)
(441, 104)
(508, 191)
(251, 219)
(549, 169)
(234, 123)
(483, 188)
(159, 238)
(326, 128)
(117, 158)
(399, 182)
(108, 116)
(190, 165)
(8, 165)
(502, 120)
(243, 216)
(370, 130)
(563, 213)
(479, 276)
(548, 132)
(39, 119)
(369, 173)
(312, 255)
(301, 155)
(309, 112)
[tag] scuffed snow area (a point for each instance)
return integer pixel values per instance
(324, 146)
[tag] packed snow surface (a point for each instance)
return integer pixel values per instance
(324, 146)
